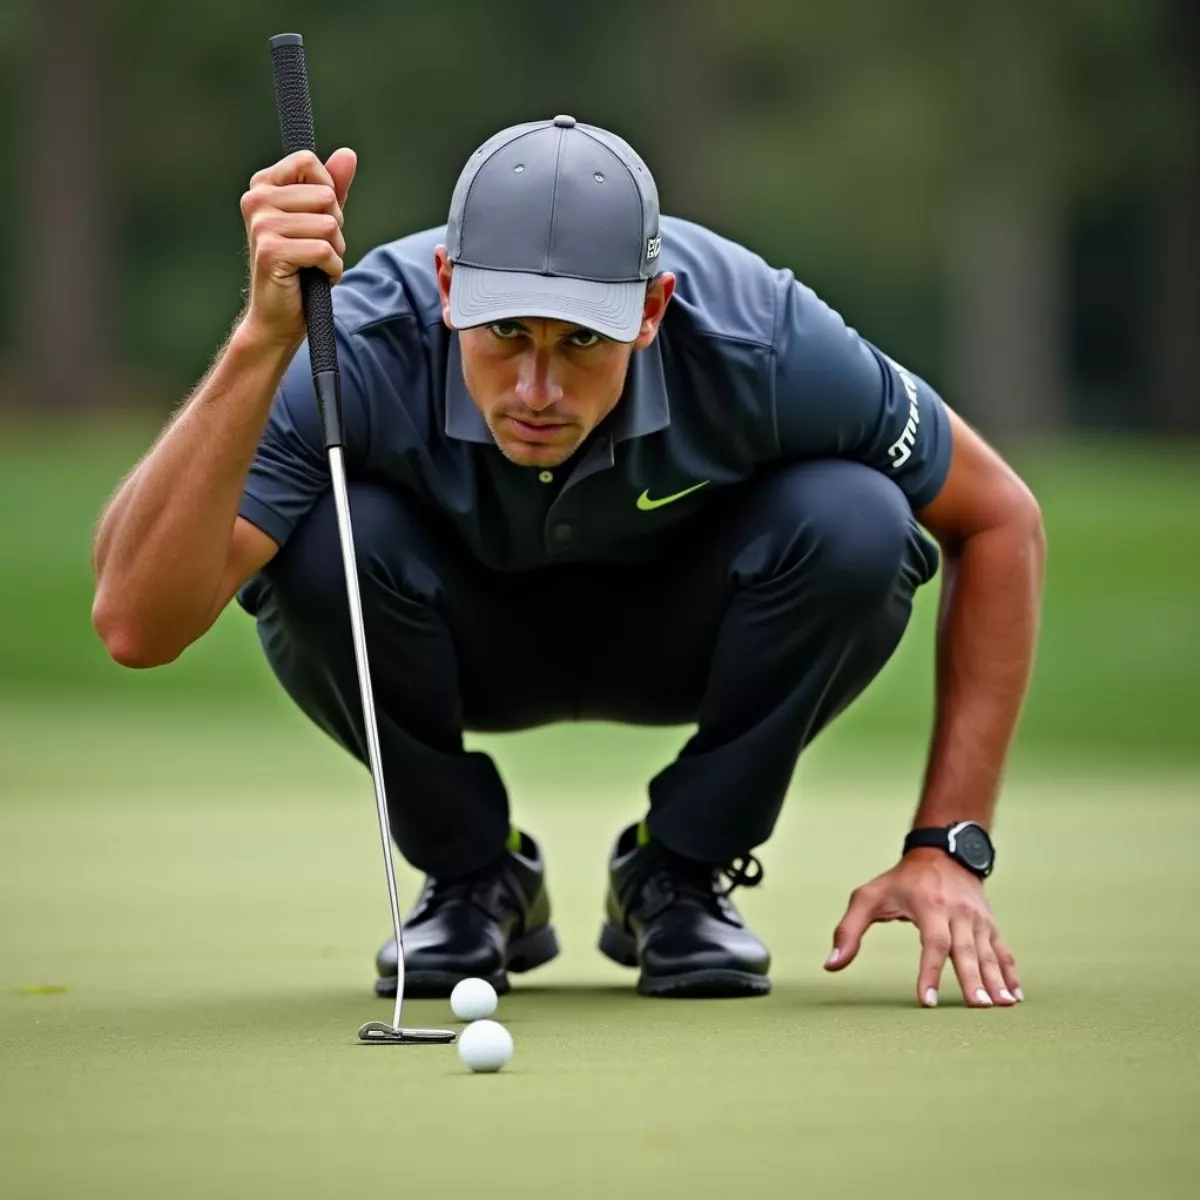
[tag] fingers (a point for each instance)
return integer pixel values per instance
(301, 167)
(294, 218)
(967, 962)
(342, 166)
(305, 168)
(305, 197)
(847, 937)
(935, 949)
(278, 258)
(296, 197)
(302, 183)
(302, 225)
(989, 966)
(1008, 966)
(983, 963)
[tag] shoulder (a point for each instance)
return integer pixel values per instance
(723, 289)
(392, 344)
(393, 287)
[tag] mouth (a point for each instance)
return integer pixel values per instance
(542, 431)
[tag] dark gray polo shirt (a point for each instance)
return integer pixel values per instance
(750, 370)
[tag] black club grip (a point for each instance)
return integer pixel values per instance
(294, 103)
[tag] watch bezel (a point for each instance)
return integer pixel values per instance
(952, 840)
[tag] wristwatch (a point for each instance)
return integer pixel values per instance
(967, 843)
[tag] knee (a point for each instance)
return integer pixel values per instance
(857, 529)
(839, 535)
(307, 576)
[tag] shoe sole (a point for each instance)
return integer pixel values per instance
(524, 954)
(711, 983)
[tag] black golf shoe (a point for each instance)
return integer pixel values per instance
(673, 918)
(482, 925)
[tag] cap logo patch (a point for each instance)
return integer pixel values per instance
(653, 246)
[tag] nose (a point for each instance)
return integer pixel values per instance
(537, 388)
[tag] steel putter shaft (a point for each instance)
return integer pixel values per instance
(374, 1031)
(294, 105)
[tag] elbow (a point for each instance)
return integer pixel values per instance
(126, 644)
(1034, 524)
(1027, 517)
(128, 652)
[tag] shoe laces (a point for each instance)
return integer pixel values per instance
(744, 871)
(481, 888)
(680, 878)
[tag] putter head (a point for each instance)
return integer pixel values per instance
(379, 1032)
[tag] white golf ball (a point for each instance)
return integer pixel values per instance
(473, 999)
(485, 1046)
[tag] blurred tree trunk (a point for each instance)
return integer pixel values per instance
(684, 109)
(1177, 310)
(1007, 318)
(67, 252)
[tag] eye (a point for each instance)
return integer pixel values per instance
(506, 330)
(584, 339)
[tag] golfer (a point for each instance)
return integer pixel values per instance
(604, 465)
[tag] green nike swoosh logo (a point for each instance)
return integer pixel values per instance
(647, 505)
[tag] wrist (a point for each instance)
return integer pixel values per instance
(926, 856)
(965, 842)
(251, 338)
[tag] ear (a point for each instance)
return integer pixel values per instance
(444, 268)
(658, 296)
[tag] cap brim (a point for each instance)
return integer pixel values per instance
(479, 297)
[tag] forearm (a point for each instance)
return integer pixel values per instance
(987, 631)
(163, 540)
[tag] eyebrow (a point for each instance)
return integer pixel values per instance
(570, 333)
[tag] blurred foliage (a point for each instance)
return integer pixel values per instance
(844, 140)
(837, 138)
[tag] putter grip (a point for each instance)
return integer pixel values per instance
(294, 103)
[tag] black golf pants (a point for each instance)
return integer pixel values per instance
(759, 628)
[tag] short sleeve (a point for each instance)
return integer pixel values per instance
(836, 395)
(290, 471)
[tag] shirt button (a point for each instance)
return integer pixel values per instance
(562, 532)
(546, 476)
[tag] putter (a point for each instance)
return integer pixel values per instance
(296, 126)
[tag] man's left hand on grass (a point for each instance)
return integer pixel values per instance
(948, 906)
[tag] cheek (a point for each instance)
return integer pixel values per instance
(488, 377)
(603, 386)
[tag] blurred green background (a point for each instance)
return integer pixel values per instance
(1004, 197)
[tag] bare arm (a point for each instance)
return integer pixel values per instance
(990, 531)
(167, 538)
(990, 528)
(170, 549)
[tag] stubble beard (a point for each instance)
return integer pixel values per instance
(541, 457)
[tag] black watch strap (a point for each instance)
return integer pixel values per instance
(966, 842)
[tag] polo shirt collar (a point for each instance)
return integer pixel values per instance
(643, 408)
(464, 421)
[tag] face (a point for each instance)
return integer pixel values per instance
(543, 386)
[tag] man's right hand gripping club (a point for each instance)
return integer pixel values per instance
(293, 216)
(171, 551)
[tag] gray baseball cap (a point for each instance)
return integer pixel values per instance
(553, 219)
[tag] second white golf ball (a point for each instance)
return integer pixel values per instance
(485, 1046)
(473, 999)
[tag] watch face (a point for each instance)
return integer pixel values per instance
(971, 843)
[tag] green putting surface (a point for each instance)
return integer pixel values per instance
(191, 903)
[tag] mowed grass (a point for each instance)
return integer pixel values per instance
(190, 898)
(191, 901)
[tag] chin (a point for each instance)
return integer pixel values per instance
(525, 454)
